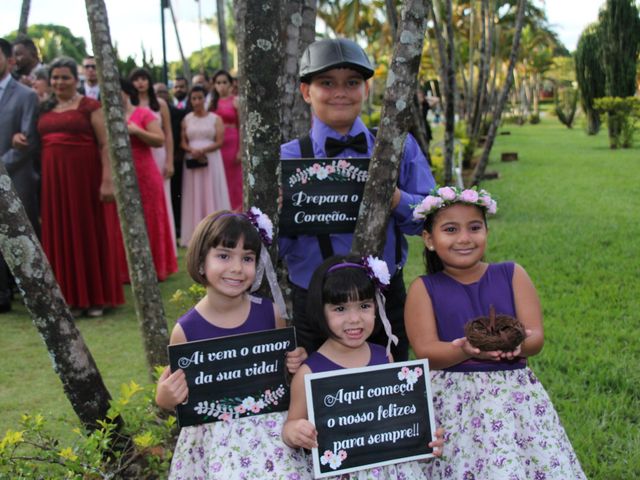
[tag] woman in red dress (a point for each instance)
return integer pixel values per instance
(225, 104)
(145, 132)
(78, 212)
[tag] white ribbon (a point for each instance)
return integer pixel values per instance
(265, 266)
(385, 321)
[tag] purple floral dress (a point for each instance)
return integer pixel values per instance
(240, 449)
(498, 418)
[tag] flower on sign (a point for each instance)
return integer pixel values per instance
(334, 460)
(411, 376)
(402, 374)
(322, 173)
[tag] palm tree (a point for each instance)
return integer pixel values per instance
(497, 112)
(24, 16)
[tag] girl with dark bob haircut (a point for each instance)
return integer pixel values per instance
(223, 228)
(337, 287)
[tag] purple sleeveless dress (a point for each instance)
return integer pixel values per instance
(317, 362)
(245, 448)
(261, 317)
(499, 420)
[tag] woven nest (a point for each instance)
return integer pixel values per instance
(495, 332)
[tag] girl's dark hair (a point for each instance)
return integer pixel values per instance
(127, 87)
(59, 62)
(222, 228)
(196, 88)
(136, 73)
(342, 285)
(432, 261)
(215, 95)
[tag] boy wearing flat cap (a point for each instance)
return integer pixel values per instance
(334, 76)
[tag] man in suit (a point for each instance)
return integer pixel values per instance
(19, 149)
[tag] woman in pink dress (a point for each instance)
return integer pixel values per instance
(204, 187)
(225, 104)
(145, 132)
(79, 218)
(163, 155)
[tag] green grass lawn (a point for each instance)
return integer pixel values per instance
(568, 213)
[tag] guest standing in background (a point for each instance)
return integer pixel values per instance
(204, 187)
(27, 60)
(145, 132)
(225, 105)
(77, 208)
(90, 87)
(176, 115)
(18, 150)
(163, 155)
(180, 91)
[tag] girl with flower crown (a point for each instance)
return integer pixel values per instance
(345, 306)
(499, 420)
(223, 254)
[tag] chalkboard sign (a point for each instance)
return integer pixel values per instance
(369, 417)
(321, 195)
(235, 376)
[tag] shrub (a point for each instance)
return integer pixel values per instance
(622, 116)
(141, 449)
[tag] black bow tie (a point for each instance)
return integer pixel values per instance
(334, 147)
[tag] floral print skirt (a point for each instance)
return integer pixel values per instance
(241, 449)
(499, 425)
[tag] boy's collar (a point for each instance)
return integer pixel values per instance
(320, 130)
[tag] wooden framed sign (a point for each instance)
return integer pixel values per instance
(321, 195)
(235, 376)
(369, 417)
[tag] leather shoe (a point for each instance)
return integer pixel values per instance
(5, 307)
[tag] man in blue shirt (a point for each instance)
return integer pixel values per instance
(333, 75)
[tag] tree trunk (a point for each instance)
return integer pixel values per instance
(370, 234)
(222, 33)
(300, 20)
(24, 16)
(392, 17)
(495, 121)
(142, 272)
(483, 75)
(261, 73)
(186, 69)
(417, 127)
(469, 89)
(450, 97)
(69, 355)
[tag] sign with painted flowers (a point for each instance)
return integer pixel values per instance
(235, 376)
(321, 195)
(369, 417)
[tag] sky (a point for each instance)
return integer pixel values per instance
(137, 22)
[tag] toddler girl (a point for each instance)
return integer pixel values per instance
(342, 307)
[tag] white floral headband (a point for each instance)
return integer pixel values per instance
(378, 271)
(445, 196)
